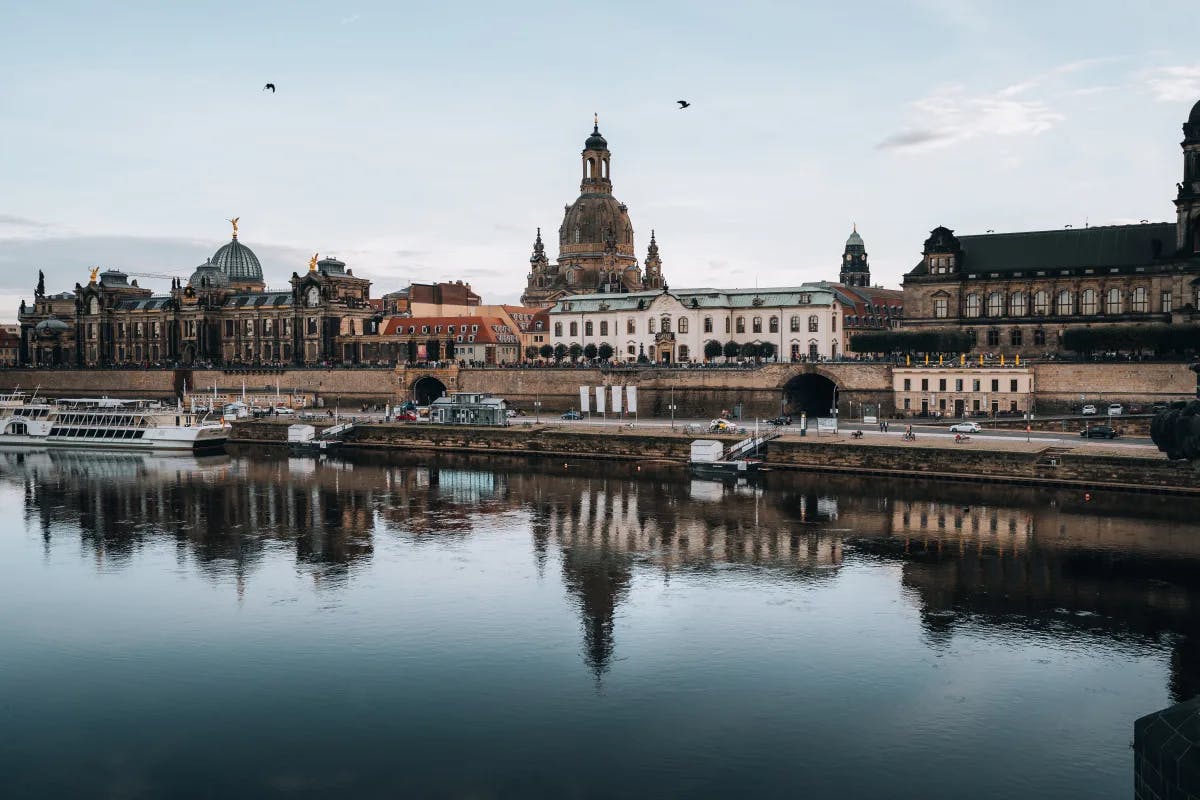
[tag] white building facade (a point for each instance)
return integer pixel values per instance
(668, 326)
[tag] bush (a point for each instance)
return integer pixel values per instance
(605, 351)
(731, 349)
(589, 352)
(546, 351)
(1161, 339)
(575, 350)
(712, 349)
(560, 351)
(531, 352)
(766, 350)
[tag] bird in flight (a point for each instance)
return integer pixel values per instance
(683, 104)
(270, 86)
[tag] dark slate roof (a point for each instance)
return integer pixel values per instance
(1068, 248)
(259, 300)
(143, 304)
(238, 262)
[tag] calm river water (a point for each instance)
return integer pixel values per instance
(258, 626)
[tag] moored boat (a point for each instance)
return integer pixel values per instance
(107, 424)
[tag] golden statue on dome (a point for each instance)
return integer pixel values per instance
(234, 222)
(312, 263)
(94, 271)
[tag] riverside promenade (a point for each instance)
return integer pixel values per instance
(1064, 462)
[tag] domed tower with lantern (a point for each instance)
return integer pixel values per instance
(595, 240)
(855, 269)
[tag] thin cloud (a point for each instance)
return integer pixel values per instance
(951, 116)
(21, 222)
(1174, 84)
(913, 139)
(351, 19)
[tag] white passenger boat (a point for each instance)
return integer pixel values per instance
(105, 424)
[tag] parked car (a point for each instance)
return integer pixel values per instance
(1089, 410)
(407, 416)
(1116, 410)
(572, 415)
(721, 426)
(780, 421)
(965, 427)
(284, 411)
(1099, 432)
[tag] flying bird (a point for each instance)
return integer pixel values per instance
(270, 86)
(683, 104)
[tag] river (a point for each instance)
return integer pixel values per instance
(254, 625)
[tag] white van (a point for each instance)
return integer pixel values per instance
(1116, 410)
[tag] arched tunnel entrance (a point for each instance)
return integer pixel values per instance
(428, 389)
(811, 394)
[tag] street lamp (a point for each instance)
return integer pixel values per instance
(537, 408)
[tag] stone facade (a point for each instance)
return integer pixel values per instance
(665, 327)
(595, 241)
(962, 391)
(221, 315)
(1017, 292)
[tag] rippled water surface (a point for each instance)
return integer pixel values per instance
(259, 626)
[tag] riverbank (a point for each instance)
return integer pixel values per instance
(1008, 461)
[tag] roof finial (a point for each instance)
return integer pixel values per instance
(595, 122)
(235, 222)
(854, 226)
(312, 263)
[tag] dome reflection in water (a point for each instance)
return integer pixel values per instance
(255, 626)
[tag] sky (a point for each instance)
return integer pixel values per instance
(429, 141)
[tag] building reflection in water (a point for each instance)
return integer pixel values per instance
(1005, 558)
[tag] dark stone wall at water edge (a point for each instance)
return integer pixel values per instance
(1166, 748)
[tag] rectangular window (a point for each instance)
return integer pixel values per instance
(1014, 337)
(1165, 301)
(908, 384)
(1012, 385)
(708, 324)
(1039, 337)
(975, 385)
(924, 384)
(650, 325)
(741, 325)
(727, 318)
(958, 384)
(995, 384)
(993, 338)
(603, 328)
(941, 384)
(229, 327)
(907, 404)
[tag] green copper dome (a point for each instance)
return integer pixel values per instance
(238, 262)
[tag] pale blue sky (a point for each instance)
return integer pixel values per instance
(428, 141)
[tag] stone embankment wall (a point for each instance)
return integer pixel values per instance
(1034, 465)
(696, 392)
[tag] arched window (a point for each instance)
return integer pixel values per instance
(650, 325)
(604, 327)
(972, 305)
(1087, 302)
(708, 324)
(558, 329)
(1016, 304)
(814, 323)
(587, 328)
(1062, 305)
(574, 328)
(1112, 301)
(795, 323)
(773, 324)
(1041, 302)
(741, 324)
(995, 304)
(1141, 300)
(756, 325)
(683, 325)
(630, 326)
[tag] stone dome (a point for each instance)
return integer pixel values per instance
(209, 276)
(238, 262)
(50, 327)
(589, 220)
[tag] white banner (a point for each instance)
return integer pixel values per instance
(631, 399)
(616, 399)
(600, 394)
(584, 394)
(827, 425)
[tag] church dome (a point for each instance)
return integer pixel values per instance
(591, 221)
(208, 276)
(1194, 117)
(238, 262)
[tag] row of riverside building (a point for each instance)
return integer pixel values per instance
(1011, 292)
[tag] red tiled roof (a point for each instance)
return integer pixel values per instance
(486, 330)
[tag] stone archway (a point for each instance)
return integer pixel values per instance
(427, 389)
(810, 393)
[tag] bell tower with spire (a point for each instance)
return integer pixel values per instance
(654, 277)
(855, 269)
(1187, 202)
